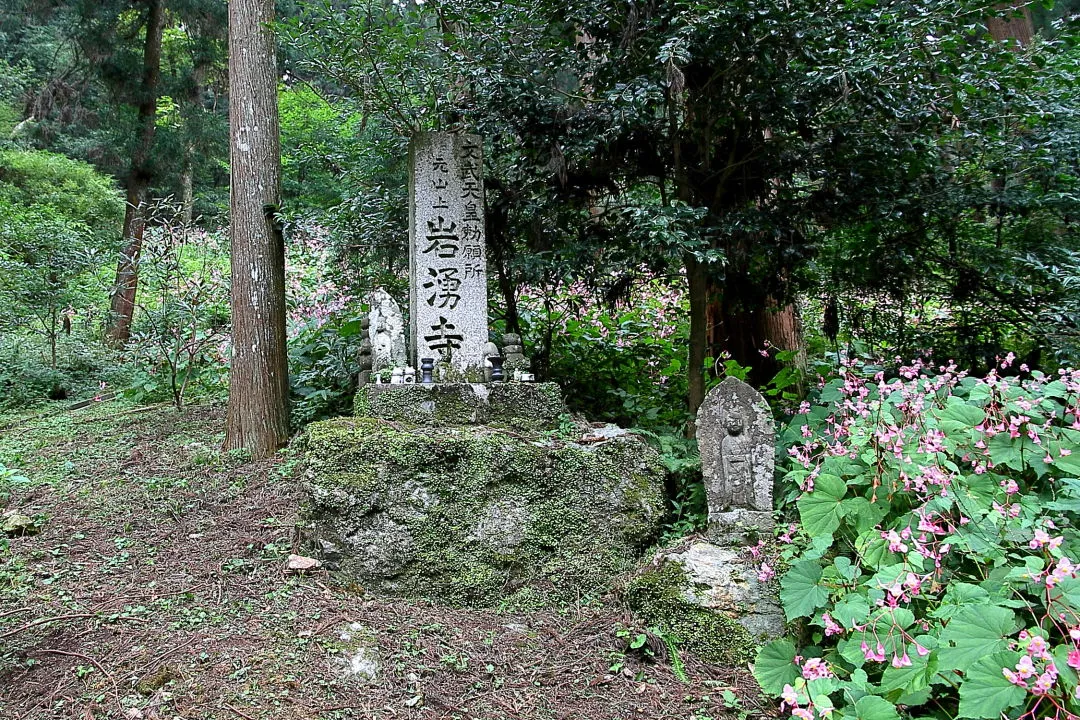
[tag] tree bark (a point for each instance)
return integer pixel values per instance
(698, 291)
(122, 305)
(1018, 27)
(258, 415)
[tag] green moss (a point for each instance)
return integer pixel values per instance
(523, 406)
(657, 596)
(470, 514)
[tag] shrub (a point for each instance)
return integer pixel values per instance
(936, 570)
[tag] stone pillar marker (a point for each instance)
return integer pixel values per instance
(736, 438)
(447, 255)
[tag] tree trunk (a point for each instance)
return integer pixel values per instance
(747, 332)
(258, 413)
(1018, 27)
(122, 306)
(698, 291)
(187, 185)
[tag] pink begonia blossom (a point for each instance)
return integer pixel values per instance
(790, 696)
(895, 543)
(1037, 647)
(1025, 668)
(877, 653)
(1074, 659)
(831, 628)
(766, 573)
(802, 713)
(816, 668)
(900, 661)
(1043, 683)
(1012, 677)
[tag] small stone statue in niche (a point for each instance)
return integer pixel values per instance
(736, 436)
(736, 452)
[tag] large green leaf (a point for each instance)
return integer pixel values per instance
(962, 412)
(821, 510)
(800, 590)
(974, 633)
(775, 666)
(871, 707)
(985, 693)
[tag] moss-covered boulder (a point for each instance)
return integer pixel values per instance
(710, 599)
(523, 406)
(476, 515)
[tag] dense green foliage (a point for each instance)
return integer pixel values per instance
(933, 563)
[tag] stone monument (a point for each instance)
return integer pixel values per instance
(736, 438)
(447, 256)
(716, 593)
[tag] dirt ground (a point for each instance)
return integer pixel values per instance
(155, 589)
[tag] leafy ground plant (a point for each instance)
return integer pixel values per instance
(937, 572)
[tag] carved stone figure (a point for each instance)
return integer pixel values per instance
(736, 436)
(386, 331)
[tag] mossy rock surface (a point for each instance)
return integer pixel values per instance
(707, 597)
(476, 515)
(522, 406)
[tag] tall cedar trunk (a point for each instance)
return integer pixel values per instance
(258, 415)
(1015, 25)
(745, 332)
(697, 289)
(122, 306)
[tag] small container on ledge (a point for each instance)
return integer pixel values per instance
(496, 368)
(427, 365)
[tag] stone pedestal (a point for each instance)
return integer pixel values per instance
(477, 515)
(525, 406)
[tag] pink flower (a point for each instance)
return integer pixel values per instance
(877, 653)
(831, 628)
(766, 573)
(802, 714)
(899, 661)
(1043, 684)
(1074, 659)
(1025, 668)
(815, 668)
(790, 696)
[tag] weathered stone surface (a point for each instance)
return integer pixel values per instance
(710, 598)
(386, 331)
(14, 523)
(359, 656)
(299, 564)
(526, 406)
(475, 515)
(447, 256)
(736, 436)
(725, 580)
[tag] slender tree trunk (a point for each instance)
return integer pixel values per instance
(138, 182)
(698, 290)
(187, 172)
(258, 413)
(187, 185)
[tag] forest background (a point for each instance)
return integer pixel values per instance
(677, 191)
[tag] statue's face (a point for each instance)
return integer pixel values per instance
(735, 424)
